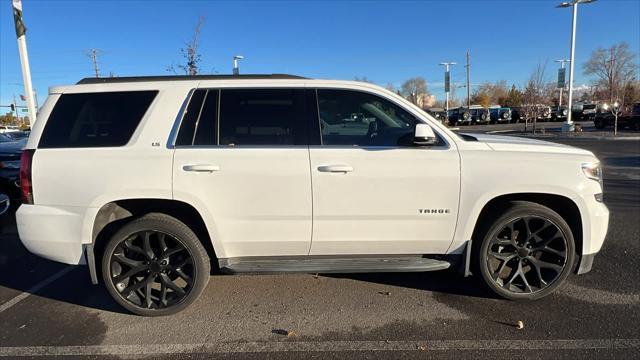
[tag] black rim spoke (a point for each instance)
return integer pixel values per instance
(527, 255)
(134, 249)
(147, 280)
(120, 258)
(147, 245)
(171, 285)
(131, 272)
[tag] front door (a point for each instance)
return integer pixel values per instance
(374, 192)
(242, 157)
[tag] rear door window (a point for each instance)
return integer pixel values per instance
(102, 119)
(262, 117)
(198, 126)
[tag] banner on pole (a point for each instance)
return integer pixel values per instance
(17, 18)
(447, 79)
(561, 76)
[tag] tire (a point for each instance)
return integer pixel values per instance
(599, 124)
(536, 266)
(164, 257)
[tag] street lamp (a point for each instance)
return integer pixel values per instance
(568, 126)
(236, 69)
(447, 79)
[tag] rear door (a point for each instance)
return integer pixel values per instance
(242, 157)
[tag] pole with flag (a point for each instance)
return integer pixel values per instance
(24, 59)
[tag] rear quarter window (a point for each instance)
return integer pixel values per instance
(95, 119)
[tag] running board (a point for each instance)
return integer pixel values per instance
(331, 264)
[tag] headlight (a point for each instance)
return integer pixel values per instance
(593, 170)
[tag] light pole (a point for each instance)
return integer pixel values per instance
(561, 83)
(568, 126)
(236, 69)
(447, 80)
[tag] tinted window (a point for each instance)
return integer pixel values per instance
(198, 126)
(262, 117)
(362, 119)
(95, 119)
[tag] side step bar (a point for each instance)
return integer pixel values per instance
(331, 264)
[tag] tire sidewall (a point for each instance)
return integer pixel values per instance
(516, 212)
(185, 236)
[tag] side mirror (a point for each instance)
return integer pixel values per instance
(424, 135)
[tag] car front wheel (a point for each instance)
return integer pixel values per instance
(155, 265)
(527, 252)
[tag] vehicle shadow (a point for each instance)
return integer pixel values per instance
(444, 282)
(21, 271)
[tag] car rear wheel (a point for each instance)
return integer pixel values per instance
(526, 253)
(155, 265)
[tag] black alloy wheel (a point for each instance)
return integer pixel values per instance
(527, 253)
(155, 265)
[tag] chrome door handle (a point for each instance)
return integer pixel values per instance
(335, 168)
(201, 168)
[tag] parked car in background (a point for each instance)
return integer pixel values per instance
(626, 119)
(10, 152)
(159, 180)
(439, 114)
(584, 112)
(459, 116)
(500, 114)
(5, 204)
(17, 135)
(517, 114)
(8, 128)
(559, 113)
(543, 112)
(479, 114)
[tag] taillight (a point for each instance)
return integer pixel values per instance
(26, 160)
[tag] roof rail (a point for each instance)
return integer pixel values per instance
(126, 79)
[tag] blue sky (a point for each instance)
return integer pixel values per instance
(386, 41)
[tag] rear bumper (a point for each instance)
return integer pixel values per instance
(54, 233)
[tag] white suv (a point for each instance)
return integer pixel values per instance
(156, 182)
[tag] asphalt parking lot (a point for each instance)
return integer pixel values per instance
(50, 309)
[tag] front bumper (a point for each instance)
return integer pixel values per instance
(595, 224)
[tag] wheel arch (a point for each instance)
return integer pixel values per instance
(114, 214)
(563, 205)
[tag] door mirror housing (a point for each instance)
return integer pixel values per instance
(424, 135)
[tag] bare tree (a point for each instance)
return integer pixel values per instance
(190, 53)
(414, 89)
(390, 87)
(533, 95)
(363, 79)
(613, 68)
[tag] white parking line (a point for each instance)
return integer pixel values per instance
(35, 288)
(321, 346)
